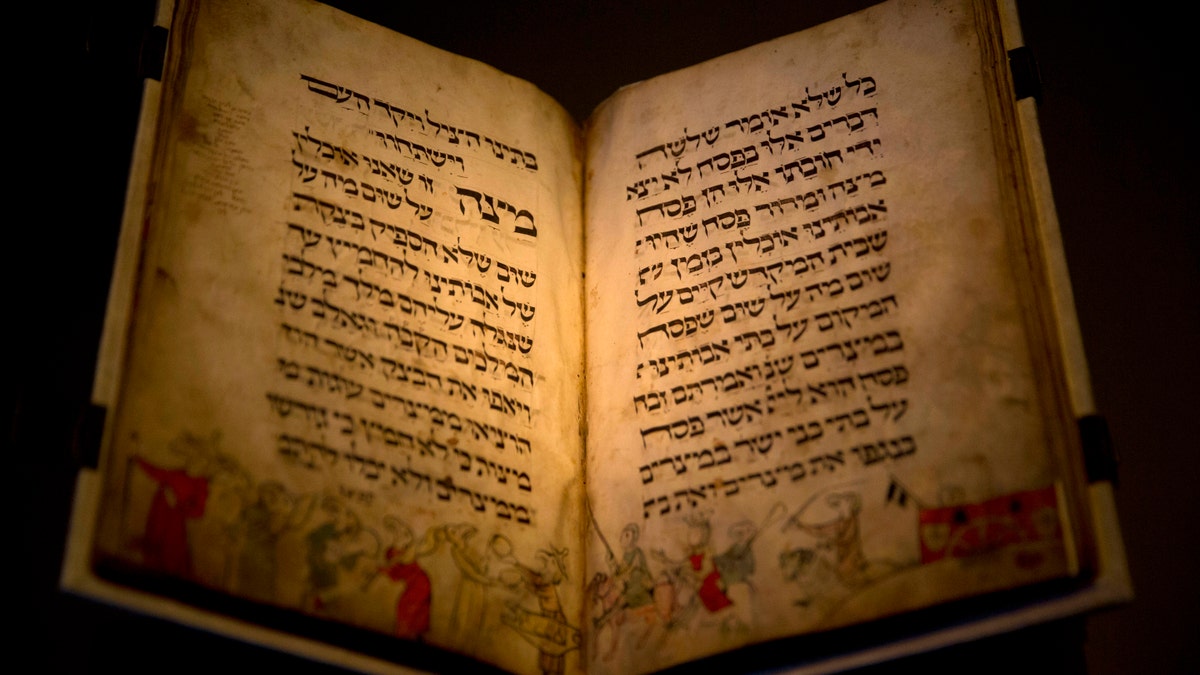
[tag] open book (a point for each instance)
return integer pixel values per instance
(778, 345)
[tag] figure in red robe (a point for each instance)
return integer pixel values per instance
(400, 564)
(711, 592)
(711, 589)
(412, 608)
(180, 497)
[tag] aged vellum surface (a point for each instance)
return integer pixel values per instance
(356, 383)
(811, 397)
(353, 382)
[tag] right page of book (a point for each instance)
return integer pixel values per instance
(816, 390)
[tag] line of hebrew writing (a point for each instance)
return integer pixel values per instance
(822, 391)
(309, 145)
(424, 313)
(418, 152)
(827, 464)
(688, 360)
(408, 242)
(703, 459)
(746, 311)
(755, 376)
(419, 345)
(486, 206)
(445, 490)
(457, 289)
(364, 256)
(721, 286)
(654, 185)
(740, 158)
(424, 124)
(450, 387)
(840, 422)
(676, 237)
(728, 381)
(373, 431)
(694, 426)
(710, 227)
(714, 195)
(853, 123)
(482, 262)
(456, 390)
(708, 260)
(814, 199)
(836, 318)
(761, 121)
(441, 489)
(368, 192)
(753, 448)
(318, 456)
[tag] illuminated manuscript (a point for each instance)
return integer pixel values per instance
(795, 366)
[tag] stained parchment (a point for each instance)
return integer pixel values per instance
(353, 379)
(811, 396)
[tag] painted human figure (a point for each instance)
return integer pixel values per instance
(180, 496)
(470, 596)
(695, 581)
(479, 572)
(334, 548)
(836, 566)
(710, 589)
(628, 594)
(833, 522)
(261, 525)
(547, 627)
(736, 566)
(400, 565)
(632, 572)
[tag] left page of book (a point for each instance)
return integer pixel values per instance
(357, 299)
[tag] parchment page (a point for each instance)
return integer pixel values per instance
(352, 387)
(810, 392)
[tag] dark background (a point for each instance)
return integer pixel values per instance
(1116, 114)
